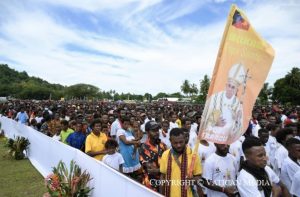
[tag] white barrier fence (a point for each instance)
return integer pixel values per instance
(45, 153)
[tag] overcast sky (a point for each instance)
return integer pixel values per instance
(136, 46)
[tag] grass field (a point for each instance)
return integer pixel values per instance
(18, 178)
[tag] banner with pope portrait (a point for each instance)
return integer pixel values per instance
(241, 68)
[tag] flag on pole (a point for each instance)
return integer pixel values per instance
(243, 63)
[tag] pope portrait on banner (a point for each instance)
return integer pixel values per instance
(224, 114)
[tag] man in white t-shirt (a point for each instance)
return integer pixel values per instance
(220, 172)
(291, 165)
(256, 178)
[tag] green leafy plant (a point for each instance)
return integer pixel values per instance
(17, 147)
(62, 182)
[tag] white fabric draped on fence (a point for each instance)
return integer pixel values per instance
(45, 153)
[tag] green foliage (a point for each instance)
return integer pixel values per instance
(17, 146)
(160, 95)
(204, 86)
(148, 97)
(193, 89)
(73, 183)
(189, 89)
(264, 94)
(176, 94)
(129, 96)
(186, 87)
(20, 85)
(81, 91)
(287, 89)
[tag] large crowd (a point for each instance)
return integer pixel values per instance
(153, 144)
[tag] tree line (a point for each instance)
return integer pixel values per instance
(19, 85)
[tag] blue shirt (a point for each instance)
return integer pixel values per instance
(131, 164)
(76, 139)
(22, 117)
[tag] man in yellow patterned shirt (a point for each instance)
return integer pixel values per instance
(174, 166)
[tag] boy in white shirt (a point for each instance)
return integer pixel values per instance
(113, 158)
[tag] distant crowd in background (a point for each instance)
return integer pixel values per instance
(153, 142)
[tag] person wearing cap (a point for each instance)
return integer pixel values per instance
(150, 155)
(223, 116)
